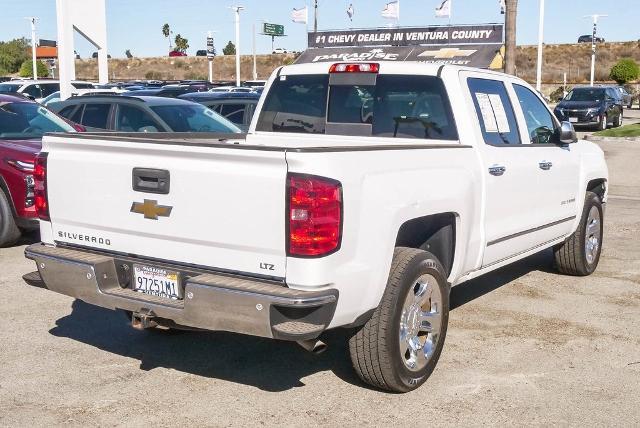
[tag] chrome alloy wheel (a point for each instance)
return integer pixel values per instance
(420, 322)
(593, 235)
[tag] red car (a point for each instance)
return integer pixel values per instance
(22, 124)
(177, 53)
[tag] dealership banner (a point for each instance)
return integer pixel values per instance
(435, 35)
(481, 56)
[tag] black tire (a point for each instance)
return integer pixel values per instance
(602, 125)
(9, 232)
(618, 122)
(571, 255)
(375, 348)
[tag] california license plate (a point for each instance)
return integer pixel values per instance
(156, 281)
(573, 119)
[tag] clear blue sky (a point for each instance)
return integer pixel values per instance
(136, 24)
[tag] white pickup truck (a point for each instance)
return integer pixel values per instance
(361, 194)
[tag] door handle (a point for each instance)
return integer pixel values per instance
(497, 170)
(150, 180)
(544, 165)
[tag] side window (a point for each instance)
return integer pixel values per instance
(495, 112)
(96, 115)
(67, 112)
(540, 124)
(33, 90)
(233, 112)
(134, 119)
(49, 88)
(77, 116)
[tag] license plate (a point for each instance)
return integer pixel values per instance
(156, 281)
(573, 119)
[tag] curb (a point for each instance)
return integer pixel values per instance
(597, 139)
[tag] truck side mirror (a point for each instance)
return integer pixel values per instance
(567, 134)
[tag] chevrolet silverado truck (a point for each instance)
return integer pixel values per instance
(360, 195)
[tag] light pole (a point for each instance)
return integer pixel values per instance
(237, 10)
(593, 44)
(255, 70)
(540, 38)
(33, 21)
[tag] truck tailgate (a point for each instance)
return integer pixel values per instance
(225, 207)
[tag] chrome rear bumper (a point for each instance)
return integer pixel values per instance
(212, 301)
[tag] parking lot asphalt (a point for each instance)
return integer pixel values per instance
(525, 346)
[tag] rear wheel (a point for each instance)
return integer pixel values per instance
(398, 348)
(579, 254)
(619, 120)
(9, 232)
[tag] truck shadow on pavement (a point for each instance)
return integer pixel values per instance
(263, 363)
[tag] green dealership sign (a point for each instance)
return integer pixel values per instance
(273, 29)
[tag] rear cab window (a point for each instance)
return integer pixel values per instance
(495, 112)
(394, 106)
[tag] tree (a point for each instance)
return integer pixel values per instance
(230, 49)
(13, 54)
(625, 71)
(128, 54)
(511, 11)
(182, 44)
(26, 70)
(166, 32)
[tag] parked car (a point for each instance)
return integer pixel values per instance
(594, 106)
(588, 38)
(223, 89)
(279, 51)
(255, 83)
(37, 90)
(141, 114)
(362, 193)
(627, 98)
(23, 122)
(177, 53)
(201, 52)
(238, 107)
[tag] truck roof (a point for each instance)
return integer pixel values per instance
(386, 67)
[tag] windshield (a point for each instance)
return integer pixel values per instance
(194, 118)
(10, 87)
(585, 94)
(24, 121)
(396, 106)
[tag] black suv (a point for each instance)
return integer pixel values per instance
(141, 114)
(591, 106)
(587, 39)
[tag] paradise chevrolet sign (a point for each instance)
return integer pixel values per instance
(466, 34)
(472, 45)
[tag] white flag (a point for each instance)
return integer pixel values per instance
(300, 16)
(444, 10)
(350, 12)
(392, 10)
(503, 6)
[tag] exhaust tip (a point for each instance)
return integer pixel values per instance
(314, 346)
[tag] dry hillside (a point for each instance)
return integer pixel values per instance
(574, 59)
(178, 68)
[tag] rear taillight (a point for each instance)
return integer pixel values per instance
(314, 215)
(40, 187)
(357, 67)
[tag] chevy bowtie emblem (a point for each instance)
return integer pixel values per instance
(151, 209)
(448, 53)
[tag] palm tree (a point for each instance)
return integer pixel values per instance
(511, 11)
(166, 32)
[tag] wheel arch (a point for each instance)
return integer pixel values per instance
(5, 188)
(435, 233)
